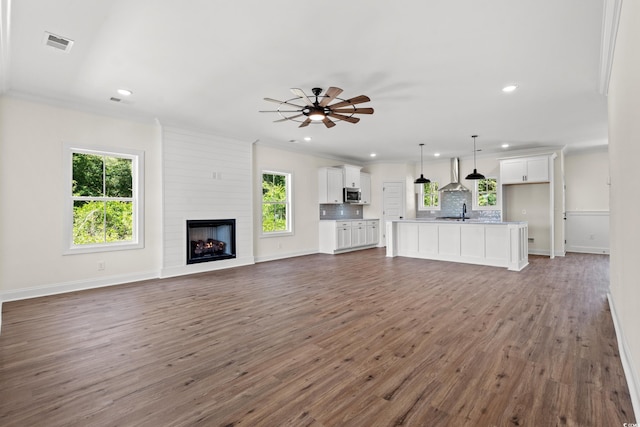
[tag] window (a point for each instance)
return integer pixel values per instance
(104, 208)
(276, 203)
(429, 196)
(486, 194)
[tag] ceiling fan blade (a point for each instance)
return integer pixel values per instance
(282, 102)
(345, 118)
(328, 123)
(330, 95)
(279, 111)
(288, 118)
(353, 110)
(356, 100)
(301, 94)
(305, 123)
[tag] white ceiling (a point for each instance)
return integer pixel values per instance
(433, 69)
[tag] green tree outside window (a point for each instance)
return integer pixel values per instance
(275, 202)
(102, 194)
(487, 194)
(430, 195)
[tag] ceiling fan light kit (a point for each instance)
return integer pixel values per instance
(474, 175)
(320, 109)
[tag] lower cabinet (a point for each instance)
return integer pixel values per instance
(348, 235)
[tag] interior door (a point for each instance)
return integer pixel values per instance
(393, 205)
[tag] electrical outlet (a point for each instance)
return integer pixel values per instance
(324, 212)
(357, 211)
(101, 265)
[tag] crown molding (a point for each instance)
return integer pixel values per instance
(5, 31)
(610, 20)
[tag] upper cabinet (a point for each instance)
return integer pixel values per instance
(351, 176)
(523, 170)
(330, 185)
(365, 188)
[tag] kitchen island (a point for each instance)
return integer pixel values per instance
(498, 244)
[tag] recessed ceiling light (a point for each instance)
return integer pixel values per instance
(510, 88)
(307, 138)
(125, 92)
(436, 154)
(373, 154)
(505, 145)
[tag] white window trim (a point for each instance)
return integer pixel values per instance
(477, 207)
(137, 157)
(289, 230)
(421, 206)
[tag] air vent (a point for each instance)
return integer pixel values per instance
(58, 42)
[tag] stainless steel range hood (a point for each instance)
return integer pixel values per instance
(455, 185)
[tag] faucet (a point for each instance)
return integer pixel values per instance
(464, 210)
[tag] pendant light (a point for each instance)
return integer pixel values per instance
(475, 174)
(422, 179)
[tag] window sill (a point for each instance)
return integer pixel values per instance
(88, 249)
(276, 234)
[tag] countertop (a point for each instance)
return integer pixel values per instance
(458, 221)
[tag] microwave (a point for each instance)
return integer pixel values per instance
(351, 195)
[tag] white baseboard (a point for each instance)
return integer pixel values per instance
(284, 256)
(204, 267)
(588, 249)
(627, 362)
(79, 285)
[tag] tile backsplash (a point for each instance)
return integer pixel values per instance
(341, 211)
(451, 205)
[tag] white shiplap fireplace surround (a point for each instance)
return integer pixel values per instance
(204, 177)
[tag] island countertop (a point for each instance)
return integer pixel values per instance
(458, 221)
(473, 241)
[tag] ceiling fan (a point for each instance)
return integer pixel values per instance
(320, 109)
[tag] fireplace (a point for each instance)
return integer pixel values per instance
(210, 240)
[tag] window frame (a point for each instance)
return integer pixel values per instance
(476, 193)
(421, 206)
(288, 204)
(137, 199)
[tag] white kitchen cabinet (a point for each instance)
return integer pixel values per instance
(358, 233)
(523, 170)
(365, 188)
(373, 231)
(343, 235)
(347, 235)
(351, 176)
(330, 185)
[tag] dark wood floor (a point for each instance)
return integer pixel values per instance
(349, 340)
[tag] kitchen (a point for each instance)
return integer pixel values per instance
(542, 211)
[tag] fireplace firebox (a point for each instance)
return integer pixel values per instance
(210, 240)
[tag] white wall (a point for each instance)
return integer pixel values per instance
(587, 180)
(32, 193)
(205, 177)
(624, 152)
(306, 212)
(587, 200)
